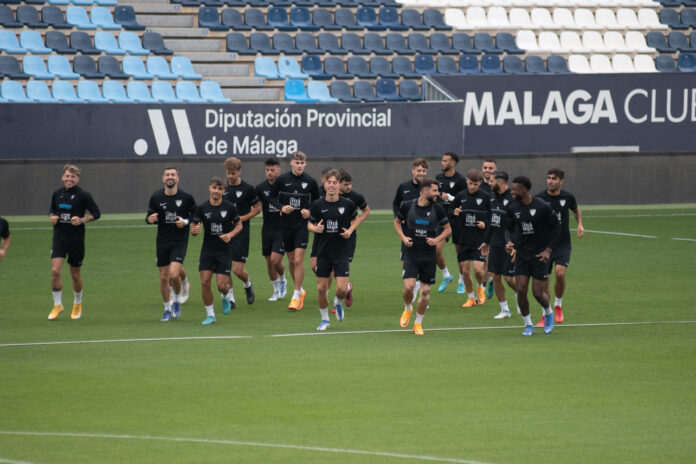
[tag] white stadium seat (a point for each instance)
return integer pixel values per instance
(614, 41)
(636, 42)
(579, 64)
(607, 19)
(628, 19)
(476, 17)
(456, 18)
(644, 63)
(497, 18)
(600, 64)
(648, 18)
(570, 40)
(542, 19)
(622, 63)
(584, 19)
(519, 19)
(548, 41)
(563, 18)
(526, 40)
(593, 40)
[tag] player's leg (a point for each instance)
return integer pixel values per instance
(56, 287)
(239, 270)
(465, 270)
(480, 273)
(559, 291)
(539, 286)
(300, 240)
(207, 295)
(277, 262)
(76, 254)
(488, 279)
(502, 298)
(165, 279)
(446, 276)
(423, 303)
(522, 284)
(322, 298)
(407, 294)
(351, 254)
(341, 273)
(175, 271)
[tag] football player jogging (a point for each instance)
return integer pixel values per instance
(472, 209)
(171, 209)
(71, 208)
(333, 220)
(271, 237)
(535, 230)
(451, 183)
(499, 261)
(293, 193)
(488, 167)
(420, 224)
(313, 249)
(5, 238)
(221, 224)
(243, 196)
(561, 202)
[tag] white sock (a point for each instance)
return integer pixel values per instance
(210, 310)
(419, 318)
(57, 298)
(281, 278)
(247, 284)
(175, 298)
(296, 295)
(490, 279)
(548, 311)
(504, 306)
(324, 314)
(461, 279)
(276, 285)
(409, 307)
(558, 302)
(472, 295)
(415, 291)
(337, 301)
(77, 297)
(527, 320)
(230, 295)
(168, 306)
(184, 285)
(446, 273)
(480, 285)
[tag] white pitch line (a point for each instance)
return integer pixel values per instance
(623, 234)
(12, 461)
(245, 443)
(128, 340)
(685, 239)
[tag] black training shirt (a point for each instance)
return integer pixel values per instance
(4, 228)
(336, 216)
(420, 223)
(168, 208)
(359, 201)
(243, 197)
(406, 191)
(495, 234)
(297, 191)
(475, 207)
(560, 204)
(535, 227)
(66, 203)
(217, 220)
(271, 214)
(452, 186)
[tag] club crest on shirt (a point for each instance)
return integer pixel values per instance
(451, 184)
(223, 214)
(562, 202)
(178, 202)
(428, 213)
(478, 201)
(72, 197)
(505, 202)
(238, 193)
(532, 212)
(341, 209)
(304, 185)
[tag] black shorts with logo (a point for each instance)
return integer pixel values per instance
(339, 266)
(531, 267)
(240, 248)
(315, 248)
(560, 256)
(469, 254)
(171, 252)
(295, 237)
(74, 250)
(499, 262)
(420, 267)
(217, 261)
(272, 242)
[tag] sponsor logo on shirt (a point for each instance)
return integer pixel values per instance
(65, 206)
(527, 228)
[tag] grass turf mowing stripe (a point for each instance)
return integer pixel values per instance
(244, 443)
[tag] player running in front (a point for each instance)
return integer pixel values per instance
(535, 230)
(561, 202)
(171, 208)
(71, 208)
(5, 237)
(421, 224)
(221, 223)
(333, 220)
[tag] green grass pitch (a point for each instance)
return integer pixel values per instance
(610, 392)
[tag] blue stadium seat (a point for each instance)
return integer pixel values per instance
(53, 16)
(289, 68)
(319, 92)
(282, 41)
(424, 65)
(60, 67)
(295, 91)
(232, 19)
(106, 42)
(27, 15)
(9, 44)
(59, 2)
(265, 67)
(671, 19)
(82, 42)
(104, 2)
(557, 64)
(346, 19)
(669, 3)
(680, 41)
(65, 92)
(386, 90)
(353, 43)
(367, 18)
(159, 67)
(138, 92)
(13, 92)
(311, 65)
(419, 43)
(335, 67)
(462, 41)
(365, 92)
(7, 17)
(404, 67)
(506, 42)
(447, 65)
(484, 41)
(260, 42)
(82, 2)
(278, 19)
(535, 65)
(389, 18)
(209, 18)
(187, 92)
(211, 91)
(688, 18)
(329, 43)
(410, 91)
(375, 44)
(433, 18)
(323, 18)
(397, 44)
(513, 65)
(665, 63)
(154, 42)
(441, 43)
(35, 67)
(685, 62)
(380, 66)
(57, 41)
(9, 67)
(182, 67)
(237, 42)
(110, 66)
(305, 41)
(135, 67)
(301, 18)
(341, 90)
(31, 40)
(163, 92)
(358, 66)
(101, 16)
(130, 42)
(256, 19)
(89, 92)
(412, 19)
(658, 41)
(38, 91)
(468, 64)
(125, 16)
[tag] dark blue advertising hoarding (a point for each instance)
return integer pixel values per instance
(95, 131)
(516, 114)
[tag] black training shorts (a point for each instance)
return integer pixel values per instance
(170, 252)
(74, 250)
(240, 248)
(216, 261)
(339, 266)
(272, 242)
(499, 262)
(295, 237)
(560, 256)
(531, 267)
(420, 267)
(469, 254)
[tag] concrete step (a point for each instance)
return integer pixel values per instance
(224, 70)
(155, 8)
(194, 45)
(253, 95)
(210, 57)
(173, 20)
(235, 82)
(140, 2)
(180, 32)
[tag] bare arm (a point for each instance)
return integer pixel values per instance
(254, 211)
(578, 217)
(5, 246)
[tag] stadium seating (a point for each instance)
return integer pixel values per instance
(208, 17)
(232, 19)
(403, 66)
(389, 18)
(183, 67)
(159, 67)
(644, 63)
(134, 66)
(381, 67)
(295, 91)
(301, 18)
(357, 66)
(375, 44)
(446, 65)
(534, 65)
(77, 16)
(665, 63)
(261, 43)
(409, 90)
(256, 19)
(53, 16)
(65, 92)
(82, 42)
(38, 91)
(578, 64)
(346, 19)
(35, 67)
(490, 64)
(7, 18)
(365, 92)
(385, 89)
(483, 41)
(288, 68)
(329, 44)
(163, 92)
(237, 42)
(265, 67)
(306, 42)
(342, 92)
(462, 42)
(31, 40)
(413, 20)
(109, 66)
(397, 44)
(60, 67)
(433, 18)
(323, 19)
(115, 92)
(335, 67)
(557, 64)
(89, 92)
(441, 44)
(154, 42)
(58, 42)
(29, 16)
(130, 42)
(622, 64)
(312, 66)
(319, 92)
(658, 41)
(138, 92)
(513, 65)
(353, 43)
(106, 42)
(10, 67)
(125, 16)
(210, 90)
(186, 91)
(9, 43)
(678, 41)
(13, 92)
(424, 65)
(686, 62)
(101, 16)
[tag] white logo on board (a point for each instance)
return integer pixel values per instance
(159, 130)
